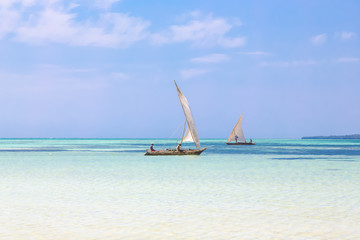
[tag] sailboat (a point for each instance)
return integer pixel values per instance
(190, 135)
(237, 135)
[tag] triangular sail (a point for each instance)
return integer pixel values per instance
(189, 118)
(187, 137)
(237, 131)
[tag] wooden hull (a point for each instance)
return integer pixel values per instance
(169, 152)
(240, 143)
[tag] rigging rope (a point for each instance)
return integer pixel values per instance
(177, 140)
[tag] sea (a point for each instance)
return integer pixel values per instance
(84, 189)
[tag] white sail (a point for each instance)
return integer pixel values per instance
(187, 137)
(189, 118)
(237, 131)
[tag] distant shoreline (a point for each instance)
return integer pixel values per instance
(353, 136)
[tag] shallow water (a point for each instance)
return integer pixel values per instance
(107, 189)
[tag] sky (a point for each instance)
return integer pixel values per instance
(105, 68)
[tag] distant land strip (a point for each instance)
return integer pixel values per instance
(353, 136)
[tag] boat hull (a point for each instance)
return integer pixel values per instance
(169, 152)
(240, 143)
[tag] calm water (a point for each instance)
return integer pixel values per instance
(107, 189)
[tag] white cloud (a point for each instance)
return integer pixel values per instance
(112, 30)
(255, 53)
(54, 22)
(348, 59)
(319, 39)
(295, 63)
(212, 58)
(60, 21)
(346, 35)
(49, 25)
(201, 31)
(9, 19)
(193, 72)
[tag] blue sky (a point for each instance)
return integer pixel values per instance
(105, 68)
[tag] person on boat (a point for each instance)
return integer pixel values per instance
(178, 148)
(250, 140)
(236, 138)
(152, 148)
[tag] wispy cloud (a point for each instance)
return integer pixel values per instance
(10, 19)
(255, 53)
(105, 3)
(201, 30)
(119, 76)
(348, 59)
(212, 58)
(295, 63)
(54, 21)
(59, 21)
(345, 35)
(45, 76)
(111, 30)
(318, 39)
(193, 72)
(58, 69)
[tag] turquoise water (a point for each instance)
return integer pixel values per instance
(107, 189)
